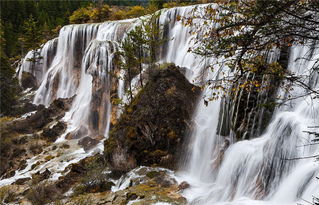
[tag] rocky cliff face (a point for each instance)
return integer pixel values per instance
(152, 128)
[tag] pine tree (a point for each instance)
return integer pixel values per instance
(137, 41)
(32, 39)
(8, 83)
(130, 61)
(141, 46)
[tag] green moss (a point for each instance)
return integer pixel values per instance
(151, 124)
(129, 110)
(5, 119)
(151, 193)
(48, 158)
(166, 65)
(153, 174)
(35, 165)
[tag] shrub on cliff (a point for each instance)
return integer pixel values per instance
(92, 14)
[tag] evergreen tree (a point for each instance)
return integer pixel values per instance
(141, 46)
(129, 61)
(14, 13)
(8, 83)
(153, 36)
(136, 40)
(32, 39)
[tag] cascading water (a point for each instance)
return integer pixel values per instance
(39, 69)
(266, 168)
(82, 49)
(79, 64)
(257, 171)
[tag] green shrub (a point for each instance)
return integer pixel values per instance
(90, 14)
(80, 15)
(136, 11)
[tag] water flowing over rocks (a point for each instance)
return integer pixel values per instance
(152, 128)
(141, 186)
(247, 114)
(57, 147)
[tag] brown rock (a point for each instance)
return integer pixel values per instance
(28, 81)
(183, 185)
(77, 134)
(42, 176)
(53, 133)
(88, 143)
(22, 180)
(99, 137)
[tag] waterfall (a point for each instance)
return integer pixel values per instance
(263, 170)
(48, 51)
(81, 63)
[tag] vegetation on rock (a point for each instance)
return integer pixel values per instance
(243, 35)
(141, 46)
(152, 129)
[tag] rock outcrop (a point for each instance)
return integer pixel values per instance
(28, 81)
(152, 129)
(143, 185)
(27, 136)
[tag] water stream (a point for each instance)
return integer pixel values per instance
(220, 170)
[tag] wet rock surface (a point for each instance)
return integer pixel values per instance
(24, 104)
(152, 128)
(183, 185)
(28, 81)
(77, 134)
(144, 185)
(53, 133)
(90, 182)
(42, 116)
(88, 143)
(87, 170)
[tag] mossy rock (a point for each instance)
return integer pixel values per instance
(153, 174)
(154, 125)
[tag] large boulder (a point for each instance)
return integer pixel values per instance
(152, 129)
